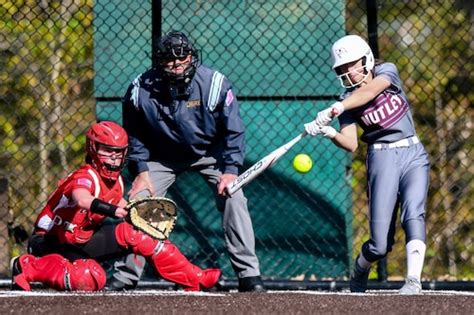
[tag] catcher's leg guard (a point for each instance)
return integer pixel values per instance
(172, 264)
(58, 273)
(167, 260)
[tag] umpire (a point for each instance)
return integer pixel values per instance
(180, 116)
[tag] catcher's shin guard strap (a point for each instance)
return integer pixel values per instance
(102, 207)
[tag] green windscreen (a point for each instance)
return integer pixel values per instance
(277, 54)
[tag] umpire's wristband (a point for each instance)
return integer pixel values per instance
(102, 207)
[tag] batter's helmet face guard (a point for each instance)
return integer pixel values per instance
(349, 49)
(107, 140)
(172, 47)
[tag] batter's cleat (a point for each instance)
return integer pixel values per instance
(19, 281)
(251, 284)
(359, 279)
(412, 286)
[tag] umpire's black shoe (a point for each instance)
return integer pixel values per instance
(114, 284)
(251, 284)
(359, 279)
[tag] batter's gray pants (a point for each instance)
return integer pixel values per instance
(396, 177)
(236, 221)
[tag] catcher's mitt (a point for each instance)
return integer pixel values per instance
(154, 216)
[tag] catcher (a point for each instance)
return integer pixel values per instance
(70, 238)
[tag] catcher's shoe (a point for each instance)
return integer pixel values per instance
(209, 277)
(412, 286)
(251, 284)
(359, 279)
(19, 281)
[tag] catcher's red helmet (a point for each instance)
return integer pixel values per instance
(109, 136)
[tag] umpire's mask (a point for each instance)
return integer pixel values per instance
(177, 60)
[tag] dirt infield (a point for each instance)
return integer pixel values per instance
(273, 302)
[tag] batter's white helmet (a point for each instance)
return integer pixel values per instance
(351, 48)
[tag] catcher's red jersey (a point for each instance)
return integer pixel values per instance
(62, 217)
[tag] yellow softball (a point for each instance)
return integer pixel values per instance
(302, 163)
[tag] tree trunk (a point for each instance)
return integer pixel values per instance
(442, 132)
(58, 96)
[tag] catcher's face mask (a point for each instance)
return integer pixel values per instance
(107, 147)
(112, 159)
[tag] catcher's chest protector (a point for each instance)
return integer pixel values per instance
(71, 224)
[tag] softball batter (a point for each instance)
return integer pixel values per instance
(397, 163)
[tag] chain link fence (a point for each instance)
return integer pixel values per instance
(64, 64)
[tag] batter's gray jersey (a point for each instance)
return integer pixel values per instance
(397, 165)
(388, 117)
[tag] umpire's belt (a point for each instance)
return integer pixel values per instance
(397, 144)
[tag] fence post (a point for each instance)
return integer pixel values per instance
(155, 27)
(4, 215)
(372, 26)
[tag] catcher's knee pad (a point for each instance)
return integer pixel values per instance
(85, 275)
(139, 242)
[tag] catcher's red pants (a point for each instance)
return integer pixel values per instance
(167, 259)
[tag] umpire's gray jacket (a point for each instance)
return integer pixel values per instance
(207, 123)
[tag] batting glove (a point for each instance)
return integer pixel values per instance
(312, 128)
(325, 116)
(328, 131)
(337, 109)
